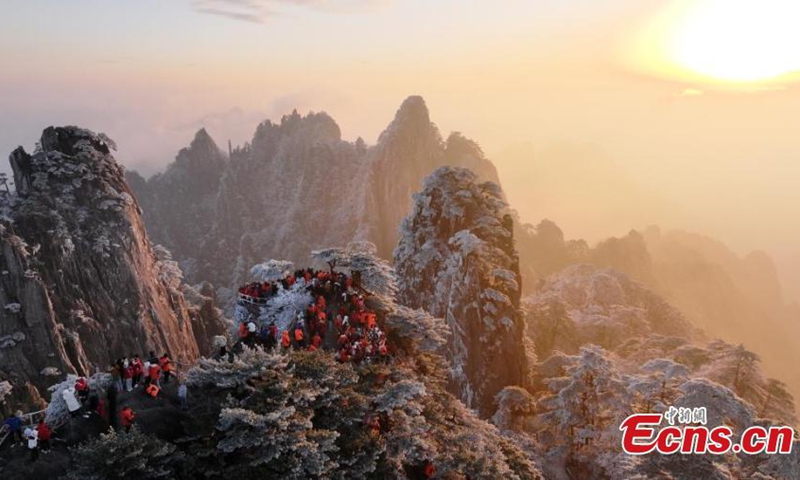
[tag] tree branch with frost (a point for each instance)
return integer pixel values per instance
(272, 270)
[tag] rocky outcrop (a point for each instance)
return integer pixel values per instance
(207, 319)
(80, 267)
(456, 259)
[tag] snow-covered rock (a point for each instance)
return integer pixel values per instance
(87, 280)
(456, 259)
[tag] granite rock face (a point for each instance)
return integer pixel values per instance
(79, 264)
(457, 260)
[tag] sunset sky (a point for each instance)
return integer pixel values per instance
(622, 113)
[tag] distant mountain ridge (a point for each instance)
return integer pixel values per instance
(295, 187)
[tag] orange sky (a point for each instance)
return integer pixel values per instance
(552, 90)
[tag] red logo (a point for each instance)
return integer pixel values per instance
(642, 434)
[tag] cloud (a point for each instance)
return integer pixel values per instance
(259, 11)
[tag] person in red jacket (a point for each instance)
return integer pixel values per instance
(44, 436)
(429, 470)
(316, 341)
(136, 364)
(82, 387)
(272, 336)
(285, 340)
(344, 356)
(127, 417)
(101, 409)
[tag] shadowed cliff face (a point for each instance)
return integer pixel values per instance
(80, 266)
(456, 259)
(179, 204)
(407, 151)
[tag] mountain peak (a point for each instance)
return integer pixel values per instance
(63, 159)
(202, 154)
(202, 136)
(413, 107)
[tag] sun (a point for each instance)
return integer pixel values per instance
(725, 40)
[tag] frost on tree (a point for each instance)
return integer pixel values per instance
(575, 425)
(456, 259)
(125, 455)
(271, 270)
(305, 415)
(283, 307)
(429, 333)
(370, 272)
(585, 304)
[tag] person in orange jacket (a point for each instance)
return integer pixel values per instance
(285, 341)
(166, 366)
(152, 390)
(154, 371)
(371, 320)
(316, 341)
(299, 336)
(127, 417)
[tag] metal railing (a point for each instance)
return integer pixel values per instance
(252, 300)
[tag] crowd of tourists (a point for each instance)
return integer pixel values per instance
(84, 399)
(336, 319)
(35, 437)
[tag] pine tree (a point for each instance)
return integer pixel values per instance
(130, 455)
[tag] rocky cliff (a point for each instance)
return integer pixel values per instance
(456, 259)
(179, 204)
(81, 282)
(409, 150)
(295, 188)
